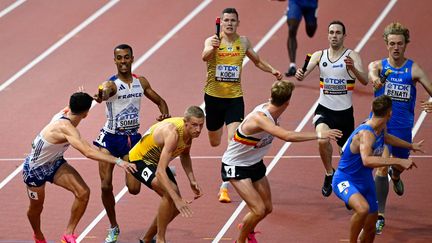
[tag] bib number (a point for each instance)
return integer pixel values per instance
(100, 139)
(229, 171)
(343, 185)
(146, 174)
(227, 73)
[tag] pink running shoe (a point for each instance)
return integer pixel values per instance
(251, 236)
(69, 239)
(38, 241)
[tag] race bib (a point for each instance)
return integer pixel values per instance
(146, 174)
(227, 73)
(399, 92)
(343, 185)
(229, 171)
(334, 86)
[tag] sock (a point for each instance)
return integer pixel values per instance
(382, 188)
(224, 185)
(292, 64)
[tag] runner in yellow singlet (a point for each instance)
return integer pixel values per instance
(163, 142)
(223, 97)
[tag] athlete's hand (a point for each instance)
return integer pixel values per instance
(183, 208)
(128, 167)
(377, 84)
(332, 134)
(163, 117)
(215, 42)
(299, 74)
(426, 106)
(196, 189)
(277, 74)
(349, 62)
(407, 164)
(417, 147)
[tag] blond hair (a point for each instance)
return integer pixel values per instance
(281, 92)
(396, 28)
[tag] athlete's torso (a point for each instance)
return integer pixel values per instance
(224, 71)
(247, 150)
(400, 87)
(336, 84)
(122, 109)
(147, 149)
(351, 163)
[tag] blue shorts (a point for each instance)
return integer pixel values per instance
(344, 188)
(117, 145)
(307, 8)
(37, 176)
(404, 134)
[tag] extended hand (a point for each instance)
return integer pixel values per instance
(128, 167)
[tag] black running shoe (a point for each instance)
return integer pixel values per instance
(291, 72)
(326, 189)
(398, 186)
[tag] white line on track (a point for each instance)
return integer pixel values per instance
(303, 122)
(142, 59)
(11, 7)
(58, 44)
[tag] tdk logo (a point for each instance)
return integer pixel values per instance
(334, 81)
(338, 66)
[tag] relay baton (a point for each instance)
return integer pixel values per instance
(307, 59)
(100, 91)
(386, 74)
(218, 27)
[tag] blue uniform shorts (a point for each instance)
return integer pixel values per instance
(344, 188)
(37, 176)
(307, 8)
(117, 145)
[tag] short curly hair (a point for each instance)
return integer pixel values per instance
(396, 28)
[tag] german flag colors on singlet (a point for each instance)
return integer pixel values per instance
(224, 71)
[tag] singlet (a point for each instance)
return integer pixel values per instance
(122, 109)
(247, 150)
(400, 87)
(43, 152)
(147, 149)
(351, 163)
(336, 84)
(224, 71)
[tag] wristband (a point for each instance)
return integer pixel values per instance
(118, 161)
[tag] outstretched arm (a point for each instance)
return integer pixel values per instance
(313, 62)
(374, 74)
(261, 64)
(106, 90)
(74, 138)
(210, 46)
(155, 98)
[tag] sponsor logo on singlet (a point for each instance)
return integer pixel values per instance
(399, 92)
(230, 73)
(128, 118)
(335, 86)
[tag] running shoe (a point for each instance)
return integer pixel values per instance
(398, 186)
(223, 196)
(326, 189)
(380, 224)
(39, 241)
(113, 234)
(251, 236)
(69, 239)
(291, 72)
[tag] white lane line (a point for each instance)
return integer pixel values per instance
(300, 127)
(142, 59)
(58, 44)
(11, 7)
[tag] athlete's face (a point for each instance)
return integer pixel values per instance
(123, 60)
(194, 126)
(396, 46)
(229, 23)
(336, 36)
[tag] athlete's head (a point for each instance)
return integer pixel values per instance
(281, 92)
(194, 121)
(381, 106)
(229, 21)
(80, 103)
(396, 28)
(123, 58)
(396, 37)
(336, 33)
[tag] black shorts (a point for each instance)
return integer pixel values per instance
(342, 120)
(254, 172)
(222, 110)
(146, 173)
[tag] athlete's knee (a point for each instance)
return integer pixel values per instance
(323, 142)
(362, 209)
(215, 142)
(83, 194)
(34, 209)
(134, 190)
(106, 187)
(269, 210)
(259, 211)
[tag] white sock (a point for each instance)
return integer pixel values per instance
(292, 64)
(224, 185)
